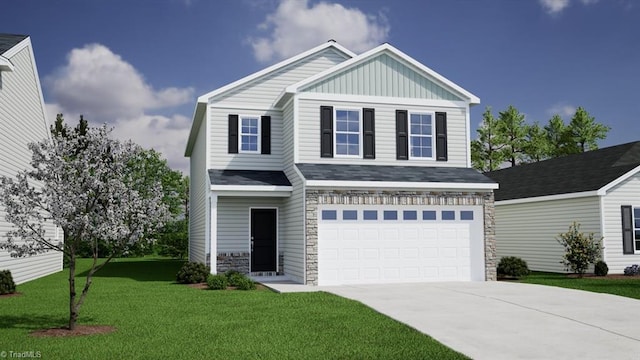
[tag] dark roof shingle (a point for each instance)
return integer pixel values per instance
(587, 171)
(391, 173)
(248, 177)
(7, 41)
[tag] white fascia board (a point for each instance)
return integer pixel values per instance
(252, 190)
(382, 100)
(275, 67)
(399, 185)
(603, 190)
(470, 98)
(241, 107)
(198, 117)
(5, 64)
(549, 198)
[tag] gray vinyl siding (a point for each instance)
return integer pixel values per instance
(234, 224)
(22, 120)
(529, 230)
(264, 90)
(625, 193)
(293, 209)
(198, 198)
(383, 75)
(385, 134)
(219, 152)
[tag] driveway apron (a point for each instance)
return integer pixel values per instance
(503, 320)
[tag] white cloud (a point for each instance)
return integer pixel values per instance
(555, 7)
(105, 88)
(562, 109)
(295, 26)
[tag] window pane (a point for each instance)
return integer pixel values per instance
(341, 138)
(410, 215)
(354, 126)
(354, 150)
(341, 125)
(349, 215)
(390, 215)
(636, 212)
(637, 234)
(341, 114)
(329, 215)
(448, 215)
(637, 223)
(466, 215)
(637, 245)
(370, 215)
(353, 139)
(341, 149)
(428, 215)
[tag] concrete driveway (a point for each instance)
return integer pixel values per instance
(502, 320)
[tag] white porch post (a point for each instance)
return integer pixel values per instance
(213, 232)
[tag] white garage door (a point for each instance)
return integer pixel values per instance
(377, 245)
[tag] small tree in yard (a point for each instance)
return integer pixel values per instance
(87, 187)
(580, 250)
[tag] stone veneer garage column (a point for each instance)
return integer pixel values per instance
(352, 197)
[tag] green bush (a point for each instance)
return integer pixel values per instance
(7, 286)
(217, 282)
(244, 283)
(173, 240)
(581, 249)
(193, 273)
(601, 268)
(512, 266)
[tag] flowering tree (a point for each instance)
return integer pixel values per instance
(90, 186)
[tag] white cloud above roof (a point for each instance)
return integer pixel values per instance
(296, 26)
(555, 7)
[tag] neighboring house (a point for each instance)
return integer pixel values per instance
(336, 168)
(599, 189)
(22, 120)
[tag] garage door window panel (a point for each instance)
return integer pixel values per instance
(390, 215)
(410, 215)
(370, 215)
(466, 215)
(428, 215)
(329, 215)
(349, 215)
(448, 215)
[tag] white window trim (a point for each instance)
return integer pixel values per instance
(259, 134)
(335, 132)
(633, 227)
(433, 136)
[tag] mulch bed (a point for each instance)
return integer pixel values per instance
(204, 286)
(608, 277)
(80, 330)
(10, 295)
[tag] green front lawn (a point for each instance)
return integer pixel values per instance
(627, 286)
(156, 318)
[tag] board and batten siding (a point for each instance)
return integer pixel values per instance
(264, 90)
(382, 75)
(219, 151)
(198, 203)
(385, 134)
(22, 120)
(529, 230)
(234, 221)
(625, 193)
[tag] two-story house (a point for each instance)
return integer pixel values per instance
(22, 121)
(336, 168)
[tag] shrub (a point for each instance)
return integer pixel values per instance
(512, 266)
(580, 250)
(601, 268)
(7, 286)
(632, 270)
(244, 283)
(235, 279)
(193, 273)
(217, 282)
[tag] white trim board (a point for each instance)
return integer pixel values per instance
(400, 185)
(387, 100)
(548, 198)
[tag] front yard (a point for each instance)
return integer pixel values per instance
(628, 286)
(156, 318)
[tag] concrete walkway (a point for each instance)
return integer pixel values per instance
(502, 320)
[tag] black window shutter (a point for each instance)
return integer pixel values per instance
(369, 133)
(441, 136)
(326, 131)
(233, 134)
(402, 135)
(265, 134)
(627, 229)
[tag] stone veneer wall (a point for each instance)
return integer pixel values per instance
(238, 261)
(315, 197)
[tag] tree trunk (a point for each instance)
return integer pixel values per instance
(73, 311)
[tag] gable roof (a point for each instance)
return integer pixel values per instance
(416, 176)
(199, 111)
(595, 170)
(248, 177)
(395, 54)
(7, 41)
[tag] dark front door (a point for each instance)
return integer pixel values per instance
(263, 239)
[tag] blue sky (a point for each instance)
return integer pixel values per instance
(139, 65)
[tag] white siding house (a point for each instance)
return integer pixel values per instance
(336, 168)
(22, 120)
(597, 189)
